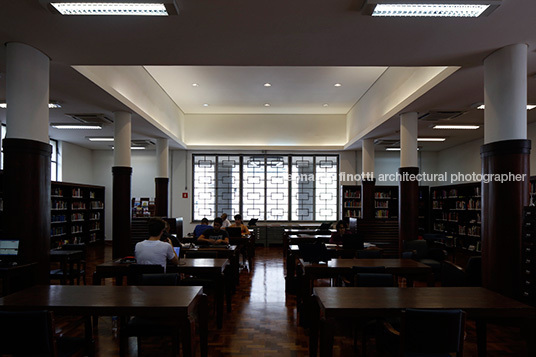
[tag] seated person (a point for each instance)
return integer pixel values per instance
(238, 223)
(215, 235)
(166, 235)
(342, 231)
(200, 228)
(153, 250)
(225, 222)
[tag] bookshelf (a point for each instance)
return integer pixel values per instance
(143, 207)
(528, 256)
(386, 202)
(351, 201)
(77, 213)
(456, 212)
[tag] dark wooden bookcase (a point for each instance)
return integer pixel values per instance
(77, 213)
(351, 201)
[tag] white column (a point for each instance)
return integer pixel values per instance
(408, 140)
(368, 156)
(122, 135)
(27, 81)
(162, 158)
(505, 94)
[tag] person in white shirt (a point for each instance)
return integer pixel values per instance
(153, 250)
(226, 223)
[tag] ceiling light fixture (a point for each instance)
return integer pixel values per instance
(457, 127)
(113, 7)
(430, 8)
(205, 104)
(337, 85)
(266, 104)
(101, 138)
(267, 84)
(77, 126)
(195, 85)
(325, 105)
(529, 107)
(134, 148)
(397, 149)
(51, 105)
(431, 139)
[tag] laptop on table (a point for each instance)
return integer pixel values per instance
(234, 232)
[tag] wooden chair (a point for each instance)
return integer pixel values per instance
(135, 272)
(76, 269)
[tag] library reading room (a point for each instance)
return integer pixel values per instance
(242, 178)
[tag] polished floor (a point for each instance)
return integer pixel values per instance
(263, 321)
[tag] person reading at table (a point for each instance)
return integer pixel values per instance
(153, 250)
(338, 237)
(239, 223)
(215, 235)
(166, 235)
(200, 228)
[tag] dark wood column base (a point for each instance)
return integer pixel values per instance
(367, 199)
(502, 214)
(161, 196)
(27, 201)
(122, 212)
(408, 207)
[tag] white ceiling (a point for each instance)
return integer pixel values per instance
(241, 90)
(268, 33)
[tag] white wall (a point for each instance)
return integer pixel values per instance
(77, 164)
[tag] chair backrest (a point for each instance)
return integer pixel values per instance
(432, 331)
(408, 255)
(374, 280)
(201, 254)
(27, 333)
(369, 254)
(80, 246)
(159, 279)
(135, 271)
(419, 246)
(474, 271)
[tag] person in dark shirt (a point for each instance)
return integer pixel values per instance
(215, 235)
(200, 228)
(338, 237)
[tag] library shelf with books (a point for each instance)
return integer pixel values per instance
(77, 213)
(143, 207)
(456, 212)
(351, 201)
(386, 202)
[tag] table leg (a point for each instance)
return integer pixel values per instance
(219, 296)
(123, 338)
(326, 338)
(290, 281)
(203, 324)
(313, 330)
(88, 332)
(481, 337)
(187, 336)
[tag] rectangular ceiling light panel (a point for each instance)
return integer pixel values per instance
(430, 8)
(123, 8)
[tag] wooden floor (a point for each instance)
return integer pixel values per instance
(263, 321)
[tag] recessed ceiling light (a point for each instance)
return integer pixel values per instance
(337, 85)
(77, 126)
(51, 105)
(457, 127)
(529, 107)
(205, 104)
(195, 85)
(430, 8)
(431, 139)
(325, 105)
(266, 104)
(117, 7)
(267, 84)
(101, 139)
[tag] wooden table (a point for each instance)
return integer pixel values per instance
(297, 237)
(179, 303)
(354, 303)
(212, 269)
(67, 260)
(230, 252)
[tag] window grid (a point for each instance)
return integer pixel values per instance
(258, 186)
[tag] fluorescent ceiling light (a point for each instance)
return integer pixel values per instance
(431, 139)
(529, 107)
(77, 126)
(267, 85)
(337, 85)
(430, 8)
(461, 127)
(51, 105)
(266, 104)
(111, 7)
(396, 149)
(101, 139)
(134, 148)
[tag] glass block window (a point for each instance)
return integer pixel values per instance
(267, 187)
